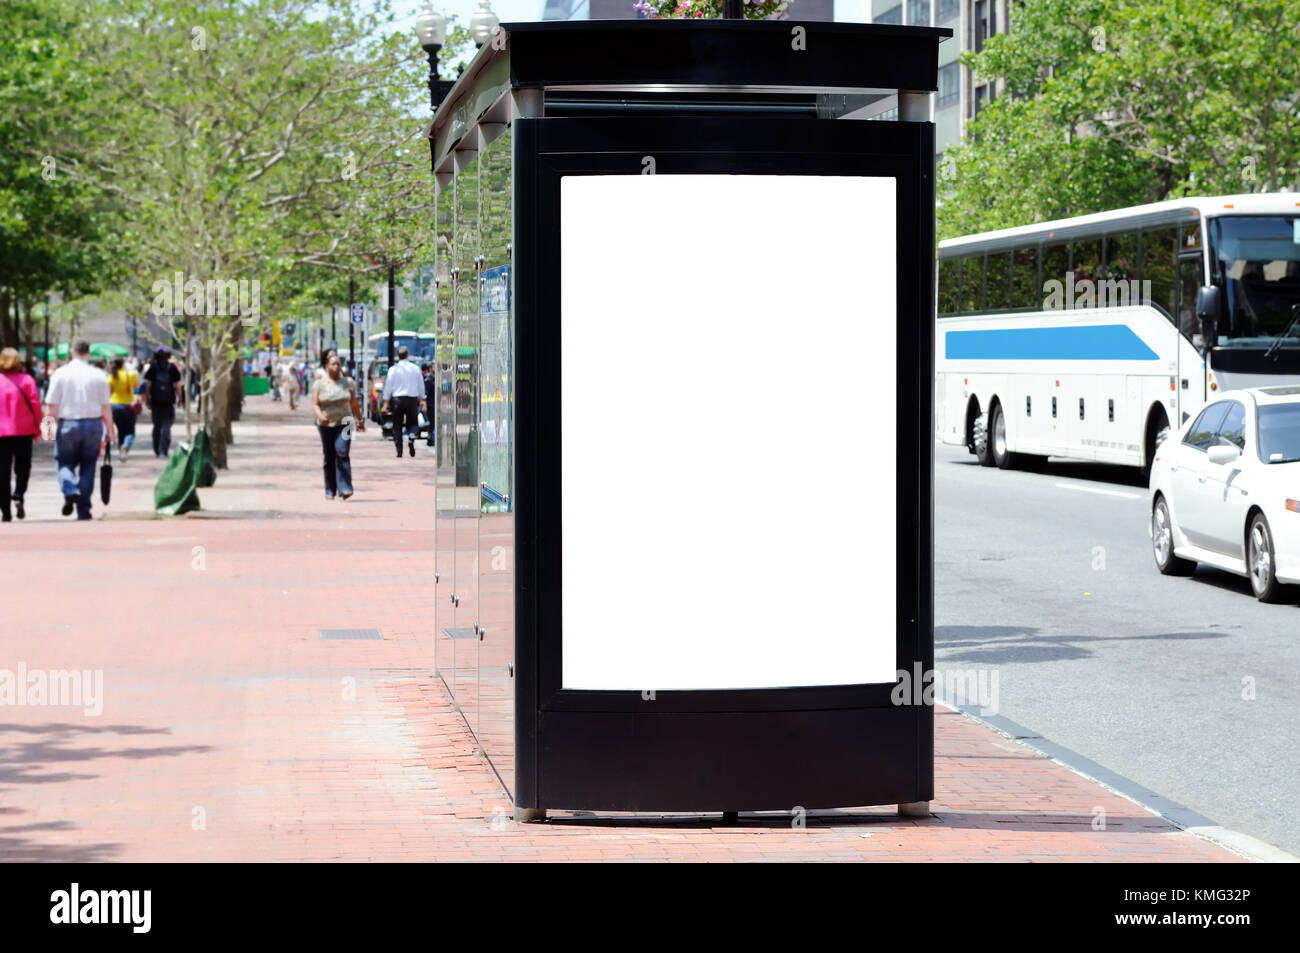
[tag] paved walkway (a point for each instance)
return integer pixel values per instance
(231, 731)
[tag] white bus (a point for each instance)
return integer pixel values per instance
(415, 343)
(1082, 337)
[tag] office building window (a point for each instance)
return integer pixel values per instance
(949, 85)
(983, 96)
(918, 12)
(985, 23)
(947, 10)
(892, 15)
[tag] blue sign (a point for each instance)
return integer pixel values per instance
(358, 313)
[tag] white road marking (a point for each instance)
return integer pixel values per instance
(1093, 489)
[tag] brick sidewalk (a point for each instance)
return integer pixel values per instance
(231, 731)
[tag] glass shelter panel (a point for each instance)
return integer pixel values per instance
(442, 419)
(465, 396)
(495, 466)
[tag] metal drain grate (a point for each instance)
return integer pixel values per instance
(350, 634)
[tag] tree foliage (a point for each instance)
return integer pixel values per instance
(1110, 103)
(271, 141)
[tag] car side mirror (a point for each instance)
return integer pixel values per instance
(1223, 454)
(1207, 312)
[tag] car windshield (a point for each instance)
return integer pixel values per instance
(379, 369)
(1279, 433)
(1257, 263)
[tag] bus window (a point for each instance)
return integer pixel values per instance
(1056, 264)
(949, 285)
(1191, 235)
(1122, 257)
(1087, 259)
(1159, 255)
(1026, 291)
(998, 281)
(972, 283)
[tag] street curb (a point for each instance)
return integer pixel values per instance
(1184, 818)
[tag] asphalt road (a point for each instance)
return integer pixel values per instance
(1047, 578)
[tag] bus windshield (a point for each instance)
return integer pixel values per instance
(1257, 264)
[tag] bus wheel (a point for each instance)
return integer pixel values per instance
(980, 439)
(1002, 457)
(1157, 430)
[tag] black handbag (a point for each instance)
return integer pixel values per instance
(106, 475)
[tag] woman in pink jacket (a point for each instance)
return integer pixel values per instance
(20, 426)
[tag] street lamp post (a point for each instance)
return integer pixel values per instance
(392, 316)
(431, 30)
(483, 23)
(352, 340)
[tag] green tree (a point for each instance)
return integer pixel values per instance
(1108, 103)
(56, 234)
(245, 140)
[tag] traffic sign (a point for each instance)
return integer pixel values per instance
(358, 313)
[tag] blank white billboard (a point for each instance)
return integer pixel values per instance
(728, 374)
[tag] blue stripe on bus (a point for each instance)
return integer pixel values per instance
(1105, 342)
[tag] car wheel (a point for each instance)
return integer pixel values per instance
(1260, 561)
(1162, 542)
(1002, 457)
(980, 437)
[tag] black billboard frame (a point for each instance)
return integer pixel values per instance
(752, 749)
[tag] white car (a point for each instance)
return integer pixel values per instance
(1225, 490)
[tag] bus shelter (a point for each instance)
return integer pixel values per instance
(685, 299)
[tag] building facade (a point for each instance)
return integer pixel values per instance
(822, 10)
(972, 22)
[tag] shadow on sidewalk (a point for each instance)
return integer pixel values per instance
(20, 761)
(20, 850)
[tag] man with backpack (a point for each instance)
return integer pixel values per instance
(162, 392)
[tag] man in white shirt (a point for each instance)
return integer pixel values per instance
(78, 398)
(404, 398)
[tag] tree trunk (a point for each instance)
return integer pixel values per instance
(28, 335)
(219, 434)
(5, 298)
(235, 401)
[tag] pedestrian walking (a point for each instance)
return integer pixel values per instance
(20, 427)
(334, 398)
(430, 396)
(79, 401)
(404, 398)
(324, 364)
(272, 382)
(162, 392)
(122, 381)
(290, 384)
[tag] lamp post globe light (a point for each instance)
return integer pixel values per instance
(483, 23)
(431, 31)
(431, 28)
